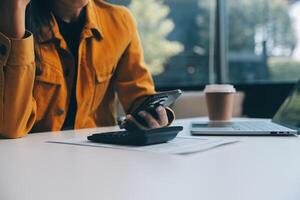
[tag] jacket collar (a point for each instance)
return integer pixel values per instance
(92, 27)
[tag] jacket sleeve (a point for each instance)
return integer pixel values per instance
(134, 80)
(17, 74)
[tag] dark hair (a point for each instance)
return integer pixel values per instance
(38, 15)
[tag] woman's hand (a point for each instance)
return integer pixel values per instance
(15, 2)
(151, 122)
(12, 15)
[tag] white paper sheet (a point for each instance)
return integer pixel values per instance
(180, 145)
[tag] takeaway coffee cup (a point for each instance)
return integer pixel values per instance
(219, 99)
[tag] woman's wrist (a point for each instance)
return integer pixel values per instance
(13, 25)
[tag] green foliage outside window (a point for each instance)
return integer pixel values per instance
(270, 19)
(284, 69)
(248, 19)
(154, 26)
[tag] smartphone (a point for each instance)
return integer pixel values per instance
(151, 102)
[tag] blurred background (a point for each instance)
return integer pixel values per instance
(253, 44)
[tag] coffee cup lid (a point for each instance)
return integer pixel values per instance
(224, 88)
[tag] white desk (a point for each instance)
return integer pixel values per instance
(258, 168)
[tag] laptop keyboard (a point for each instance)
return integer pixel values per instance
(253, 126)
(257, 126)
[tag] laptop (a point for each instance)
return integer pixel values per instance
(286, 122)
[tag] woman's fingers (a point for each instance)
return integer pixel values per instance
(133, 123)
(150, 120)
(162, 116)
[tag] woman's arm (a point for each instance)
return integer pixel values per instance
(17, 71)
(134, 81)
(12, 15)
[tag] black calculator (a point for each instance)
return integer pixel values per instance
(137, 137)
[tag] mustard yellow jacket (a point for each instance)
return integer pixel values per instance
(35, 97)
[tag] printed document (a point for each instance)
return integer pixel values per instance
(180, 145)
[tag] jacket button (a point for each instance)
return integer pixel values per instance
(3, 49)
(60, 112)
(38, 71)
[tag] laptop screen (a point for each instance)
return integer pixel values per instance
(289, 112)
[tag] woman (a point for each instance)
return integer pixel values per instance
(63, 61)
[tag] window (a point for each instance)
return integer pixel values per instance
(194, 42)
(263, 41)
